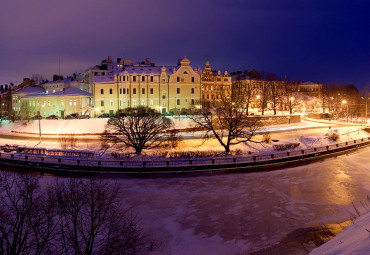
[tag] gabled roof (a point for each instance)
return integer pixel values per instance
(29, 90)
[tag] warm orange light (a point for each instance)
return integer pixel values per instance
(258, 96)
(344, 101)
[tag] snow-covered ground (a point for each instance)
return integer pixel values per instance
(354, 240)
(239, 213)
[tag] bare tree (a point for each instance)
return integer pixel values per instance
(27, 216)
(227, 122)
(38, 78)
(243, 90)
(92, 221)
(140, 127)
(292, 100)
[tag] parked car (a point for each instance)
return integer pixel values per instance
(74, 115)
(104, 115)
(69, 117)
(84, 117)
(52, 117)
(36, 117)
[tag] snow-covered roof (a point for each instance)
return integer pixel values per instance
(156, 70)
(67, 92)
(29, 90)
(308, 83)
(104, 78)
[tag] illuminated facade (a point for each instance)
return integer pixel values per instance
(214, 85)
(168, 89)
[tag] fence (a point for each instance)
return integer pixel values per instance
(95, 164)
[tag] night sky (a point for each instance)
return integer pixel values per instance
(318, 40)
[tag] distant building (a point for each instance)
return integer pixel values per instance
(214, 85)
(175, 89)
(60, 103)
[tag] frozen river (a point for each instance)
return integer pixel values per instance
(238, 213)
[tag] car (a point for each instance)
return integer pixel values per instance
(69, 117)
(74, 115)
(36, 117)
(104, 115)
(84, 117)
(52, 117)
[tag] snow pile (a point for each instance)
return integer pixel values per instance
(355, 239)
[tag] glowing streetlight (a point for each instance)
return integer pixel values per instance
(346, 103)
(258, 96)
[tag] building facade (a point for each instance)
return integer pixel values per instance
(60, 103)
(214, 85)
(168, 89)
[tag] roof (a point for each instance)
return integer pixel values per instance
(67, 92)
(308, 83)
(104, 78)
(156, 70)
(29, 90)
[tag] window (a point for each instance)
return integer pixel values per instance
(192, 90)
(101, 91)
(178, 90)
(53, 103)
(111, 91)
(143, 91)
(120, 103)
(44, 103)
(142, 78)
(134, 91)
(124, 78)
(124, 91)
(164, 104)
(178, 102)
(192, 79)
(143, 102)
(151, 91)
(110, 103)
(192, 102)
(151, 78)
(44, 113)
(96, 73)
(178, 79)
(134, 78)
(48, 103)
(120, 90)
(151, 102)
(134, 102)
(102, 103)
(74, 102)
(103, 73)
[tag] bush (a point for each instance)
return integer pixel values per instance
(334, 135)
(266, 138)
(68, 141)
(287, 146)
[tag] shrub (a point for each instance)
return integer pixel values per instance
(287, 146)
(334, 135)
(266, 138)
(68, 141)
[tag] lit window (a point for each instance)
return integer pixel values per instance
(151, 102)
(110, 103)
(134, 102)
(74, 102)
(70, 102)
(143, 102)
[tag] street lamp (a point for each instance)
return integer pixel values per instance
(346, 103)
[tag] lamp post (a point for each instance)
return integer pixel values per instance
(346, 103)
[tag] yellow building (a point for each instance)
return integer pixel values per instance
(168, 89)
(214, 85)
(61, 103)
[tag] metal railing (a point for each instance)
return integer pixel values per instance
(175, 162)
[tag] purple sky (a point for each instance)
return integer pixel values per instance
(319, 40)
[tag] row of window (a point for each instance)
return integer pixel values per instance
(150, 78)
(216, 88)
(143, 102)
(143, 90)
